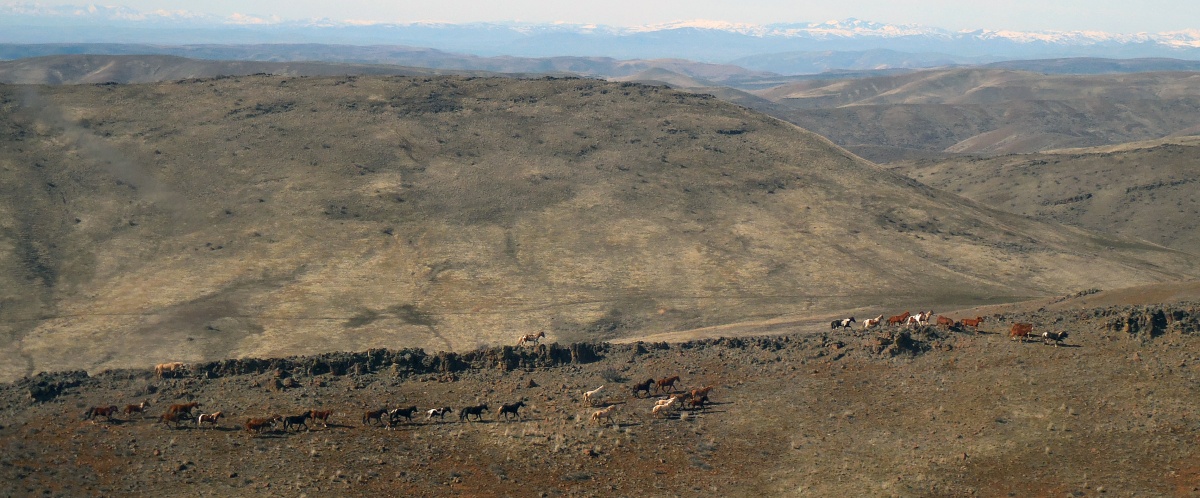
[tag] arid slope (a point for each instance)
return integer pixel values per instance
(990, 111)
(270, 216)
(1145, 190)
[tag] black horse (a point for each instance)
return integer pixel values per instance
(477, 411)
(510, 409)
(297, 421)
(407, 413)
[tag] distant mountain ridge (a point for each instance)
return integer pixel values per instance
(707, 41)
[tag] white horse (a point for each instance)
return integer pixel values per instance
(663, 405)
(587, 396)
(604, 414)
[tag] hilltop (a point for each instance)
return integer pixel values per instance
(272, 215)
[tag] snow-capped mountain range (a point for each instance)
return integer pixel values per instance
(700, 40)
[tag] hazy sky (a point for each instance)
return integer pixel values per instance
(1118, 16)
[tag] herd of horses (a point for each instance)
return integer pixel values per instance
(1020, 331)
(390, 418)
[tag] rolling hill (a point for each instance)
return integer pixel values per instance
(990, 111)
(274, 215)
(1145, 190)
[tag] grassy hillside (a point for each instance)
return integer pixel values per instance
(1145, 190)
(271, 215)
(990, 111)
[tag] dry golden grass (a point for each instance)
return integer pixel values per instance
(271, 216)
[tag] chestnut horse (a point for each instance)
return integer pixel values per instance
(666, 383)
(899, 319)
(1020, 331)
(138, 408)
(322, 415)
(973, 322)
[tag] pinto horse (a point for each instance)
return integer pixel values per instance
(95, 412)
(841, 324)
(407, 413)
(439, 412)
(666, 383)
(477, 411)
(871, 322)
(510, 409)
(212, 418)
(530, 338)
(644, 386)
(899, 319)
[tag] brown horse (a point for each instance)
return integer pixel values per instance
(100, 411)
(510, 409)
(1020, 331)
(257, 425)
(376, 415)
(138, 408)
(183, 409)
(321, 415)
(172, 419)
(899, 319)
(973, 322)
(666, 383)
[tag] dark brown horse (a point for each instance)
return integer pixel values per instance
(376, 415)
(477, 411)
(510, 409)
(95, 412)
(644, 386)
